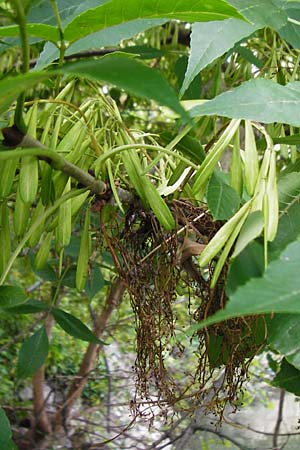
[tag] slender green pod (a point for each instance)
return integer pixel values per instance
(211, 160)
(47, 186)
(5, 242)
(272, 200)
(73, 138)
(7, 170)
(43, 252)
(77, 202)
(21, 215)
(250, 159)
(260, 187)
(223, 235)
(29, 178)
(29, 166)
(134, 169)
(146, 191)
(64, 227)
(222, 259)
(84, 253)
(36, 235)
(56, 130)
(236, 172)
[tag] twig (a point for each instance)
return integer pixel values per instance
(220, 434)
(113, 300)
(167, 434)
(181, 230)
(21, 21)
(34, 286)
(100, 444)
(265, 433)
(109, 392)
(279, 420)
(14, 138)
(19, 336)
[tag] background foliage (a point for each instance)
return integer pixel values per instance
(149, 153)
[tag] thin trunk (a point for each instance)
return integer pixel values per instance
(42, 421)
(279, 420)
(112, 301)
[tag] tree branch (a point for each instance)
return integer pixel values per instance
(21, 21)
(279, 420)
(42, 421)
(112, 301)
(30, 146)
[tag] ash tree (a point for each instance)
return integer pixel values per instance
(149, 163)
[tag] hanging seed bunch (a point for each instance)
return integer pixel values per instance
(175, 252)
(153, 264)
(151, 276)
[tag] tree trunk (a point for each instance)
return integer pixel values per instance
(112, 301)
(42, 421)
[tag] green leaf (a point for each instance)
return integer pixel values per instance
(10, 87)
(6, 442)
(11, 296)
(39, 30)
(251, 229)
(146, 191)
(188, 145)
(223, 201)
(209, 41)
(263, 12)
(291, 140)
(246, 341)
(33, 353)
(5, 431)
(289, 202)
(195, 87)
(113, 35)
(158, 205)
(70, 277)
(128, 73)
(248, 264)
(259, 99)
(217, 352)
(105, 38)
(288, 378)
(288, 190)
(74, 327)
(47, 273)
(284, 337)
(278, 291)
(119, 69)
(248, 55)
(116, 12)
(43, 12)
(32, 306)
(95, 282)
(291, 31)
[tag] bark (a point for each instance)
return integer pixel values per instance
(279, 420)
(42, 420)
(112, 301)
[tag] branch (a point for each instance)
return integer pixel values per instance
(109, 393)
(183, 39)
(112, 301)
(42, 421)
(30, 146)
(279, 420)
(220, 434)
(21, 21)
